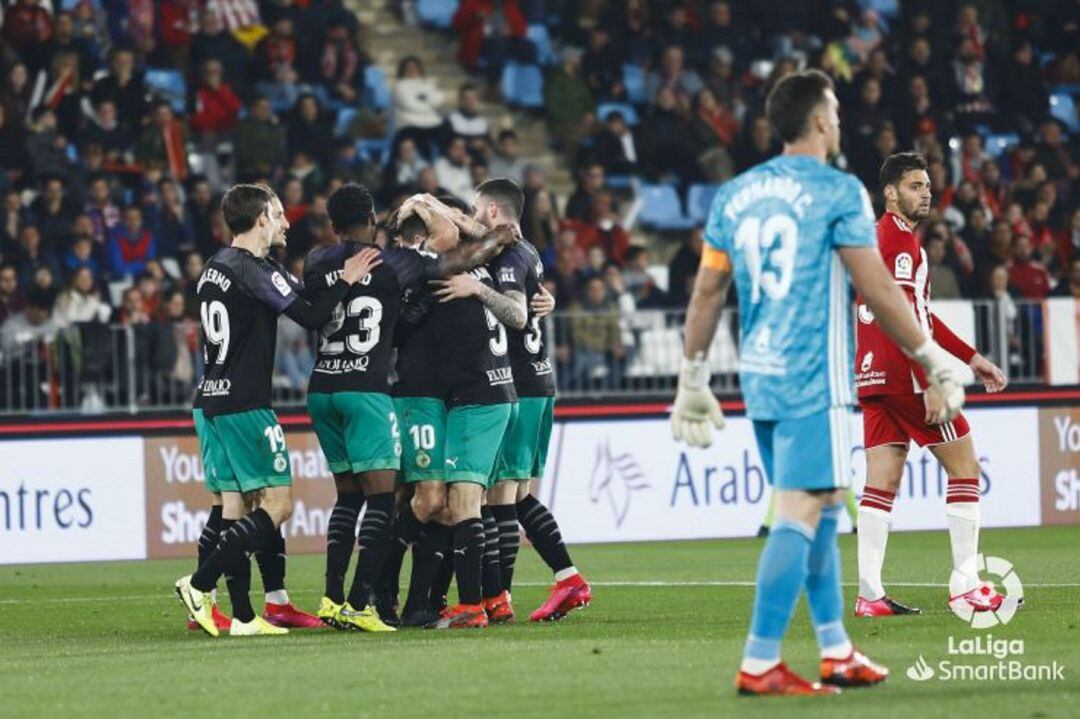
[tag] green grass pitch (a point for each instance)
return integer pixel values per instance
(662, 639)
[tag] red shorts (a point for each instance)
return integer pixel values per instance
(900, 419)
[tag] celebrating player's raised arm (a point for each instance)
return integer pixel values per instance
(695, 405)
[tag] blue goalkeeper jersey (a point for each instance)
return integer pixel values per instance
(780, 222)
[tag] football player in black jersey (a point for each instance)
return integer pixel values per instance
(348, 395)
(271, 556)
(243, 446)
(518, 274)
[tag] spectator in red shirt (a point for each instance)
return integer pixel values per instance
(603, 229)
(216, 105)
(1026, 274)
(28, 27)
(277, 48)
(130, 245)
(485, 27)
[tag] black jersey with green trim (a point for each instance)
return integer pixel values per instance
(520, 269)
(472, 345)
(355, 345)
(418, 367)
(240, 297)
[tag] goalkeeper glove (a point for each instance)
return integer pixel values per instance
(695, 406)
(941, 376)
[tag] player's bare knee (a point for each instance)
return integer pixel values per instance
(504, 492)
(429, 500)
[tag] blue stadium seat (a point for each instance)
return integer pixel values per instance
(633, 78)
(628, 112)
(378, 90)
(996, 145)
(662, 209)
(345, 117)
(376, 151)
(699, 200)
(436, 13)
(884, 8)
(545, 53)
(169, 85)
(619, 182)
(523, 85)
(1063, 109)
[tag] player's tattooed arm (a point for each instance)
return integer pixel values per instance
(428, 205)
(474, 253)
(509, 307)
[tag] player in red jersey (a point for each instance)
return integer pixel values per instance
(898, 408)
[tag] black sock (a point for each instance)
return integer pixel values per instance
(427, 558)
(271, 559)
(468, 559)
(372, 541)
(210, 534)
(238, 580)
(509, 541)
(444, 574)
(340, 534)
(236, 542)
(543, 531)
(491, 570)
(389, 584)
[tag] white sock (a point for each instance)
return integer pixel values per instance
(565, 573)
(757, 666)
(838, 651)
(963, 520)
(873, 537)
(278, 597)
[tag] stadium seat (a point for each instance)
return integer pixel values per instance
(169, 85)
(436, 13)
(661, 208)
(545, 53)
(996, 145)
(627, 111)
(344, 118)
(1063, 109)
(633, 78)
(619, 182)
(378, 90)
(699, 200)
(523, 85)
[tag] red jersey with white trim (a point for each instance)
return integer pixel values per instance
(881, 367)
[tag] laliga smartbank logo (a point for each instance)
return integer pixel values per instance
(984, 657)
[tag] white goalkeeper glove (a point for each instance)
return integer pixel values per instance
(696, 410)
(942, 376)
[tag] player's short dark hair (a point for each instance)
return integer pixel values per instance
(351, 205)
(412, 226)
(455, 202)
(793, 99)
(897, 165)
(243, 205)
(505, 193)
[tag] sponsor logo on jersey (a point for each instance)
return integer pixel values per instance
(216, 387)
(343, 366)
(865, 315)
(867, 361)
(506, 274)
(281, 284)
(502, 375)
(541, 368)
(423, 459)
(280, 463)
(903, 267)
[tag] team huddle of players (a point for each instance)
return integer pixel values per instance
(432, 397)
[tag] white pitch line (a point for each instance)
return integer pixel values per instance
(613, 583)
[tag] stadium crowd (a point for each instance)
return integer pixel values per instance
(121, 121)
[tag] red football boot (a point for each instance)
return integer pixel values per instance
(464, 616)
(567, 595)
(780, 681)
(221, 621)
(884, 607)
(983, 598)
(499, 609)
(286, 615)
(855, 671)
